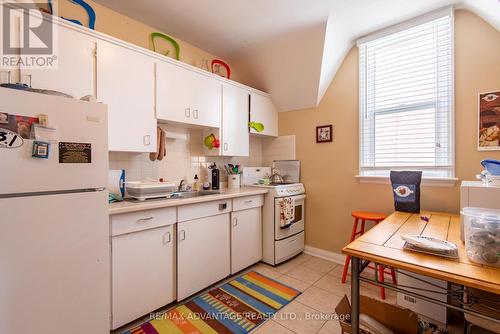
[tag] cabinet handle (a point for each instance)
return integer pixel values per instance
(144, 220)
(195, 114)
(8, 76)
(187, 112)
(235, 221)
(225, 146)
(167, 238)
(147, 140)
(248, 201)
(182, 235)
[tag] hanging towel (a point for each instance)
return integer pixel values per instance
(287, 212)
(161, 145)
(162, 149)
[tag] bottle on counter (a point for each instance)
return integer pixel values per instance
(196, 183)
(215, 176)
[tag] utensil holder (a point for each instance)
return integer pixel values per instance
(233, 181)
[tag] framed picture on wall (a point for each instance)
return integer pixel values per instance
(489, 121)
(324, 134)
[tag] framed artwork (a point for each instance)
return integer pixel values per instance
(489, 121)
(324, 134)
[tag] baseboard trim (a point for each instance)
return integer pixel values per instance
(324, 254)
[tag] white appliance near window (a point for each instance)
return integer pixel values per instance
(279, 243)
(54, 231)
(406, 98)
(480, 195)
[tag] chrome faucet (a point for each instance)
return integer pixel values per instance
(181, 184)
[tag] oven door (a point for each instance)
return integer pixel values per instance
(297, 225)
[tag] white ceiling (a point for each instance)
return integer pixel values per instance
(290, 48)
(223, 27)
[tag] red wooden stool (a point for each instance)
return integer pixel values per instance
(376, 218)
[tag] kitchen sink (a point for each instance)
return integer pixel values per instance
(190, 194)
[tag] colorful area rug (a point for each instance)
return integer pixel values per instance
(238, 306)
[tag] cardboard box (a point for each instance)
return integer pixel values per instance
(397, 319)
(427, 309)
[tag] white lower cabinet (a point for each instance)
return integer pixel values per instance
(246, 238)
(143, 273)
(153, 265)
(203, 253)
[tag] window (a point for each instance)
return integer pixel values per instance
(406, 98)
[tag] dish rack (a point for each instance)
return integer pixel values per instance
(149, 190)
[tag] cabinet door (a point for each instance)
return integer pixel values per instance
(246, 238)
(262, 110)
(143, 273)
(207, 107)
(172, 98)
(203, 253)
(10, 74)
(185, 96)
(235, 135)
(125, 82)
(75, 66)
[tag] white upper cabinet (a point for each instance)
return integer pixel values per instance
(140, 86)
(262, 110)
(125, 82)
(188, 97)
(74, 72)
(235, 136)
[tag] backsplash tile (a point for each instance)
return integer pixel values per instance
(184, 158)
(280, 148)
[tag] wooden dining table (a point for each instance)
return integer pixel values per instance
(383, 245)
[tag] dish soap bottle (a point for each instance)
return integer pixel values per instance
(196, 183)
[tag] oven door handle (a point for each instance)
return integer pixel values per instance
(295, 197)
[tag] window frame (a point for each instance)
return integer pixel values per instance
(426, 180)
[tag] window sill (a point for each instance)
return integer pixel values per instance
(426, 181)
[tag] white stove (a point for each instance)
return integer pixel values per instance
(279, 244)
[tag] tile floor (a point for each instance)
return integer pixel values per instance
(311, 312)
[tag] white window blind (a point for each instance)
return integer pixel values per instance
(406, 100)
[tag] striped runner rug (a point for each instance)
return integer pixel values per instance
(238, 306)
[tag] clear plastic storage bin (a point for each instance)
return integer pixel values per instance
(482, 235)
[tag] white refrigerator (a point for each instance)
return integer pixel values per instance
(54, 231)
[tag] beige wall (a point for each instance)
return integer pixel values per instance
(328, 170)
(127, 29)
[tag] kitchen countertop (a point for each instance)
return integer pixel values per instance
(128, 206)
